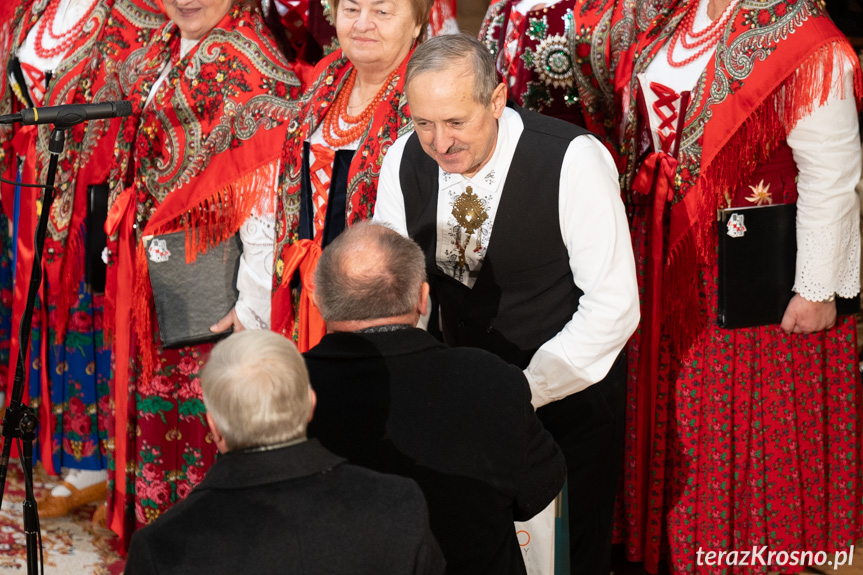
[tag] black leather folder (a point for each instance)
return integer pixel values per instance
(756, 268)
(189, 298)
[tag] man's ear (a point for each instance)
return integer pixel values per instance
(498, 100)
(218, 438)
(313, 402)
(423, 304)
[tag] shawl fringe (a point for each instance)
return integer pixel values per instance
(206, 226)
(693, 251)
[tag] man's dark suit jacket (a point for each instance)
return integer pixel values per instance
(297, 509)
(456, 420)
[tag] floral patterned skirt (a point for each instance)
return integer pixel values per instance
(170, 446)
(78, 372)
(68, 382)
(751, 438)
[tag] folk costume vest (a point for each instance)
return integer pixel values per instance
(525, 292)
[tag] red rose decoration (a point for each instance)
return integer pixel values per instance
(81, 322)
(190, 389)
(151, 472)
(160, 493)
(183, 489)
(188, 366)
(764, 17)
(162, 386)
(780, 10)
(194, 474)
(81, 424)
(76, 406)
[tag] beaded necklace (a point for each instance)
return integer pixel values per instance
(46, 22)
(333, 134)
(706, 39)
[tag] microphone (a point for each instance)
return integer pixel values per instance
(69, 114)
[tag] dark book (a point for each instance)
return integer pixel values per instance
(757, 259)
(190, 297)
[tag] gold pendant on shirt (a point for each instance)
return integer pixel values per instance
(470, 215)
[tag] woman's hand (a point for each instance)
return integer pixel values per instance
(804, 316)
(230, 320)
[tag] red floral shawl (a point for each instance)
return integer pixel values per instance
(391, 119)
(205, 152)
(773, 64)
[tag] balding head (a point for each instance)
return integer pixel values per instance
(369, 273)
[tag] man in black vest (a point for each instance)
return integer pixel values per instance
(528, 256)
(394, 399)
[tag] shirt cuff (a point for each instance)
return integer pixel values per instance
(253, 317)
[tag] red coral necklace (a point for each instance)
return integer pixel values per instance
(706, 39)
(46, 22)
(334, 135)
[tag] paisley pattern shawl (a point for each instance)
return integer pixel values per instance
(773, 64)
(206, 149)
(390, 120)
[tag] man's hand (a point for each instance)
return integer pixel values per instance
(804, 316)
(228, 321)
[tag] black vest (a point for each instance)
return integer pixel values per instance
(524, 293)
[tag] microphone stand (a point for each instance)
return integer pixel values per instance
(20, 421)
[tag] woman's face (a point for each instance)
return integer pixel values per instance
(195, 18)
(376, 34)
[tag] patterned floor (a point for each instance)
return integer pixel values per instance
(71, 545)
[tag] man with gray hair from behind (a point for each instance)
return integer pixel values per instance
(394, 399)
(275, 502)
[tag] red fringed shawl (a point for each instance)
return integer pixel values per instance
(390, 120)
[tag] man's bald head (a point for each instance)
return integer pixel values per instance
(369, 272)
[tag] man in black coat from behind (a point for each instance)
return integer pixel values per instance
(275, 502)
(394, 399)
